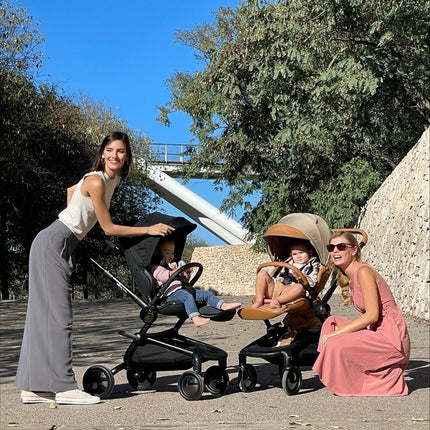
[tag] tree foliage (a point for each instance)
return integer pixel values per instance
(19, 40)
(320, 99)
(48, 143)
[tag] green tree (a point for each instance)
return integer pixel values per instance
(48, 143)
(42, 146)
(321, 99)
(19, 40)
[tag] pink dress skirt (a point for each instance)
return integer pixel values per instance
(368, 362)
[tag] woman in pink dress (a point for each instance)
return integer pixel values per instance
(365, 356)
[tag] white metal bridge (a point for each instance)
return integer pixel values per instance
(165, 166)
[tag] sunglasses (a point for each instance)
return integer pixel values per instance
(340, 246)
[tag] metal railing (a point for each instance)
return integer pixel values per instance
(170, 153)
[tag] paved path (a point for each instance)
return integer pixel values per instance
(96, 342)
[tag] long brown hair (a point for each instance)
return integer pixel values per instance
(342, 280)
(98, 163)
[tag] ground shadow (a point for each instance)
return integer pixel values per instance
(417, 375)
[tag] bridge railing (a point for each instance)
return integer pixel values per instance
(170, 153)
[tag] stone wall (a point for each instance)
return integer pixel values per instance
(396, 220)
(230, 269)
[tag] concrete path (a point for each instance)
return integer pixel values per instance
(96, 342)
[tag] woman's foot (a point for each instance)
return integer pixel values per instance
(226, 306)
(37, 396)
(199, 321)
(76, 397)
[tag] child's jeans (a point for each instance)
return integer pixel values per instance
(190, 302)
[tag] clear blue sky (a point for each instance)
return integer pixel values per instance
(121, 53)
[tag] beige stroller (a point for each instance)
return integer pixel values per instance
(294, 341)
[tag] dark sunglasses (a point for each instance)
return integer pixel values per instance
(340, 246)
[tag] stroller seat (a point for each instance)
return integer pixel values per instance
(138, 259)
(301, 306)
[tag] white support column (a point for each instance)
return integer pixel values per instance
(198, 209)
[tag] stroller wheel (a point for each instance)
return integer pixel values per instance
(99, 381)
(141, 378)
(190, 385)
(247, 378)
(292, 380)
(216, 380)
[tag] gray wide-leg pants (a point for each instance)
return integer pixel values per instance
(45, 363)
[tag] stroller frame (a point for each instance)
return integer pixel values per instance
(165, 350)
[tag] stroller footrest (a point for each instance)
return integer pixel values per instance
(217, 314)
(129, 335)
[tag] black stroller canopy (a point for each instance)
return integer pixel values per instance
(143, 247)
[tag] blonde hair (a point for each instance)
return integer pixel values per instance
(342, 279)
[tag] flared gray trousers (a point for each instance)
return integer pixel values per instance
(45, 363)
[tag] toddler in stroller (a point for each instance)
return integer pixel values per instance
(295, 341)
(284, 286)
(180, 290)
(165, 350)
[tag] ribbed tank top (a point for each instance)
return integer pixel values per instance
(79, 215)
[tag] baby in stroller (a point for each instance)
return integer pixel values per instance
(285, 286)
(179, 289)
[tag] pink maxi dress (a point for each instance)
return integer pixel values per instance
(368, 362)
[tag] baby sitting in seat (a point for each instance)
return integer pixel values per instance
(166, 268)
(291, 289)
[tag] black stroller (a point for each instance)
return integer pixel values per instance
(292, 343)
(165, 350)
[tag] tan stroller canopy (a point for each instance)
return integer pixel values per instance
(303, 226)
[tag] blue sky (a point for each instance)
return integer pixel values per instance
(121, 53)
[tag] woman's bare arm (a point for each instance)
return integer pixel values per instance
(94, 187)
(70, 191)
(368, 283)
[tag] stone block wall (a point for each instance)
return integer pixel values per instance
(230, 269)
(396, 218)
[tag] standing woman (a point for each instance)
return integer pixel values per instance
(365, 356)
(45, 366)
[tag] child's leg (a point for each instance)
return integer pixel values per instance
(209, 298)
(264, 285)
(190, 306)
(212, 300)
(290, 293)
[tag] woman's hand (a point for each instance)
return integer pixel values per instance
(325, 337)
(160, 230)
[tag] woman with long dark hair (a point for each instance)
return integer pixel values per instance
(45, 371)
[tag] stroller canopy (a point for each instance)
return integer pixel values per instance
(303, 226)
(142, 247)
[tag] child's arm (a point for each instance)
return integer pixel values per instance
(314, 269)
(311, 272)
(161, 274)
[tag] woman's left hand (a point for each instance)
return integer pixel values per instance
(326, 336)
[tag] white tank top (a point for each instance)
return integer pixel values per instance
(79, 215)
